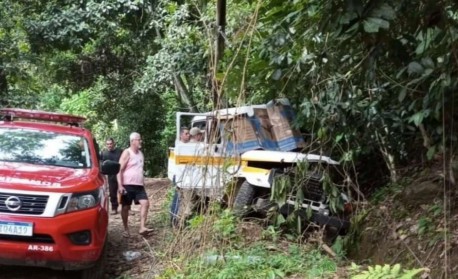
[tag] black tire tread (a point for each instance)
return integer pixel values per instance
(98, 270)
(243, 199)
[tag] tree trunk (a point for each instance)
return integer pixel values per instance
(219, 50)
(183, 93)
(180, 87)
(3, 88)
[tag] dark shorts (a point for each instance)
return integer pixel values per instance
(133, 193)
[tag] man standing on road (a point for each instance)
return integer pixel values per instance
(131, 184)
(112, 153)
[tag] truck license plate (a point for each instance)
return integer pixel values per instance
(16, 228)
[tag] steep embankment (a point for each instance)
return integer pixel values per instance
(414, 224)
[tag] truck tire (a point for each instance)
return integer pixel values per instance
(98, 270)
(243, 199)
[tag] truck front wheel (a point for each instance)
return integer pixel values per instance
(98, 270)
(244, 199)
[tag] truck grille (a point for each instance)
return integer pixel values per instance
(36, 238)
(22, 204)
(312, 188)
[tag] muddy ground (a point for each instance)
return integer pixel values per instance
(395, 240)
(117, 266)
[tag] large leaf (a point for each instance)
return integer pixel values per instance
(415, 68)
(277, 74)
(384, 11)
(418, 117)
(373, 24)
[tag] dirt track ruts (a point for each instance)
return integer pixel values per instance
(116, 265)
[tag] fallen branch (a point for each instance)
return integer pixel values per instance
(328, 250)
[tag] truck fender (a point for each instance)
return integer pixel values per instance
(256, 176)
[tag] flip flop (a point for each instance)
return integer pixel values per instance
(146, 232)
(125, 234)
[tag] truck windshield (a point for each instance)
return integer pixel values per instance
(44, 148)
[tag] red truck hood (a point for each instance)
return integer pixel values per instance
(22, 176)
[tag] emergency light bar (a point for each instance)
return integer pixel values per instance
(11, 113)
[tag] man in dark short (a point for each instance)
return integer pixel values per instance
(112, 153)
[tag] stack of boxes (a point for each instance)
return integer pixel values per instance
(268, 128)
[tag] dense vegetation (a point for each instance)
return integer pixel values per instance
(369, 79)
(374, 83)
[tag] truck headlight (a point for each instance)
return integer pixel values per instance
(80, 201)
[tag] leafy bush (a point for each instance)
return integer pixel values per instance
(225, 226)
(257, 262)
(387, 272)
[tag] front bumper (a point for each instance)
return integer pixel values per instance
(50, 245)
(321, 219)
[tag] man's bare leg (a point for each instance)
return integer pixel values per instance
(144, 206)
(125, 216)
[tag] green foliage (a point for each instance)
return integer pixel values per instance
(294, 183)
(282, 186)
(257, 262)
(196, 222)
(350, 242)
(368, 80)
(271, 233)
(373, 83)
(387, 192)
(339, 247)
(437, 210)
(386, 271)
(425, 225)
(364, 85)
(222, 223)
(85, 102)
(287, 185)
(225, 226)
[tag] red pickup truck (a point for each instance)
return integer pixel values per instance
(53, 203)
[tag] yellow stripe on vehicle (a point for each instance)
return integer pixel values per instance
(203, 160)
(255, 170)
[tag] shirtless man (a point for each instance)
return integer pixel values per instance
(131, 184)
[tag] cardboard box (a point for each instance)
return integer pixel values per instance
(263, 126)
(281, 117)
(268, 128)
(241, 135)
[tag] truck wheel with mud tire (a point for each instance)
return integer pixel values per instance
(244, 199)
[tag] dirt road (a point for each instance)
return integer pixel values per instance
(144, 266)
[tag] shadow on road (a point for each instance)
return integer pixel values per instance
(20, 272)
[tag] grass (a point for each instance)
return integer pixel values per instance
(217, 245)
(222, 252)
(260, 260)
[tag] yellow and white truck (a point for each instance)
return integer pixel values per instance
(251, 158)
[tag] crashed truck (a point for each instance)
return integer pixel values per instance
(251, 159)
